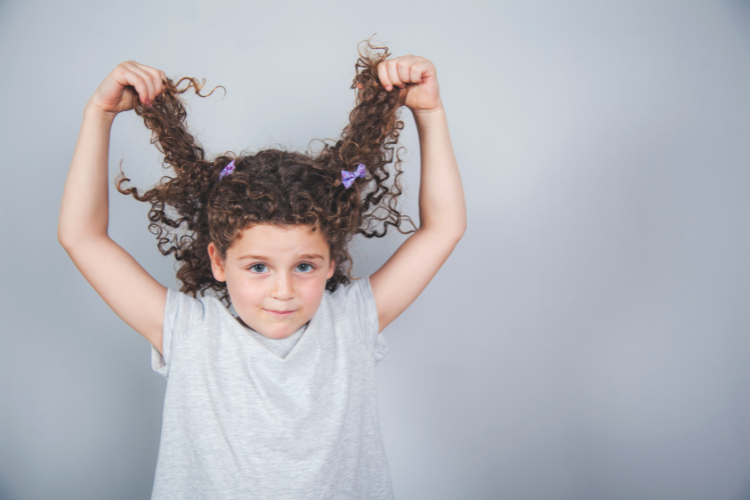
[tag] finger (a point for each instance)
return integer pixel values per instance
(154, 80)
(137, 79)
(417, 72)
(127, 79)
(156, 84)
(148, 82)
(404, 71)
(152, 77)
(393, 74)
(383, 75)
(157, 77)
(162, 80)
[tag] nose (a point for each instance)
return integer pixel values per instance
(283, 288)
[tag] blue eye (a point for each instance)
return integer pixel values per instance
(258, 268)
(305, 268)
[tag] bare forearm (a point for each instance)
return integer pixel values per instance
(442, 209)
(84, 211)
(441, 195)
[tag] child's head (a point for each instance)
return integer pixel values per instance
(279, 228)
(275, 275)
(274, 195)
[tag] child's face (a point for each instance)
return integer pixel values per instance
(276, 276)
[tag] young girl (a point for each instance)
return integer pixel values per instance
(279, 401)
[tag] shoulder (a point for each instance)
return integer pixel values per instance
(180, 304)
(353, 296)
(185, 313)
(188, 321)
(353, 305)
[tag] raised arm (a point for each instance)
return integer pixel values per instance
(442, 209)
(124, 285)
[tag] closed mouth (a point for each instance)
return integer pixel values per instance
(278, 314)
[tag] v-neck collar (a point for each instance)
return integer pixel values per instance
(307, 331)
(280, 347)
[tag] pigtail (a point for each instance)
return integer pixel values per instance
(371, 138)
(178, 216)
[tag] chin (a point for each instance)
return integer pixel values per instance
(278, 333)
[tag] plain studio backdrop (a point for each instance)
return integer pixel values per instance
(588, 339)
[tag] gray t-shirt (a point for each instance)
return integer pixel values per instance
(280, 347)
(241, 422)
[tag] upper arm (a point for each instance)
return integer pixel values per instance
(406, 274)
(136, 297)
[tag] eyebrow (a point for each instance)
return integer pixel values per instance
(254, 257)
(311, 256)
(307, 256)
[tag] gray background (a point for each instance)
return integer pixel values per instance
(588, 339)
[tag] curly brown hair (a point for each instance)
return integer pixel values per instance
(192, 206)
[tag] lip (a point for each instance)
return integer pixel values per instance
(279, 314)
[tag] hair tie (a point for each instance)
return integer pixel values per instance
(347, 178)
(227, 170)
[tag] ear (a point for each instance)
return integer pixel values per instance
(331, 269)
(217, 263)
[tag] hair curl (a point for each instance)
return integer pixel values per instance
(192, 207)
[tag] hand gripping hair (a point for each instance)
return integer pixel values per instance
(349, 187)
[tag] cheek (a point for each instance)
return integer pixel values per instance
(311, 292)
(243, 290)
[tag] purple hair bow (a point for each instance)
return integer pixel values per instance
(227, 170)
(347, 178)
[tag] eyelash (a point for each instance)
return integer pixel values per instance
(265, 268)
(312, 268)
(252, 268)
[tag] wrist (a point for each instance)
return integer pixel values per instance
(428, 116)
(93, 112)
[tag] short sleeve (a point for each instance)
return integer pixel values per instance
(181, 314)
(361, 302)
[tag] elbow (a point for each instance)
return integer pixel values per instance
(445, 236)
(445, 232)
(62, 237)
(461, 230)
(458, 234)
(458, 230)
(65, 234)
(454, 235)
(72, 235)
(67, 239)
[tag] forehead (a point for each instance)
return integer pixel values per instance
(279, 241)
